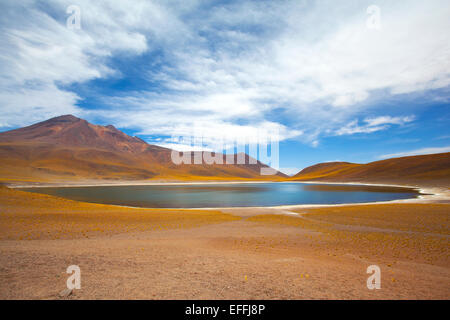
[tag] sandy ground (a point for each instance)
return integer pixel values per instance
(259, 253)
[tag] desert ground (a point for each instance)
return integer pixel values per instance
(267, 253)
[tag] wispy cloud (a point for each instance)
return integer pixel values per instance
(372, 125)
(416, 152)
(385, 120)
(40, 55)
(445, 137)
(237, 67)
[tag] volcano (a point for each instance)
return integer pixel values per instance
(67, 148)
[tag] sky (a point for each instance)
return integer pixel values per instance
(355, 81)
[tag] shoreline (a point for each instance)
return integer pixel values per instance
(134, 183)
(425, 194)
(143, 183)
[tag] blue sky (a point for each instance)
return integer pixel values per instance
(334, 81)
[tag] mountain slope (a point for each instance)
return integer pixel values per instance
(432, 169)
(70, 131)
(68, 148)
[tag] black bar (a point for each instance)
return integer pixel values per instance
(233, 309)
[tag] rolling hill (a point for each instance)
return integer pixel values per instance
(432, 169)
(68, 148)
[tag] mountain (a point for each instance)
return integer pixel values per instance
(68, 148)
(432, 169)
(70, 131)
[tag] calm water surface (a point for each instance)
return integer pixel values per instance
(229, 195)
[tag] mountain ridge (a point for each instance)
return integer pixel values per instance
(431, 169)
(67, 147)
(76, 132)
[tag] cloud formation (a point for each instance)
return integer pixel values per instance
(416, 152)
(372, 125)
(303, 68)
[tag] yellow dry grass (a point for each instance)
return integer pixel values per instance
(413, 232)
(432, 218)
(321, 254)
(28, 216)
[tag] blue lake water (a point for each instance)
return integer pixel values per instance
(228, 195)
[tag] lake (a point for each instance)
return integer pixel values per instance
(228, 195)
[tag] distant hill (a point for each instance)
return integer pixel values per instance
(68, 148)
(432, 169)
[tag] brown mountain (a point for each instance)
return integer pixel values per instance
(432, 169)
(70, 131)
(67, 148)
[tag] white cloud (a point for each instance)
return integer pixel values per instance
(383, 120)
(211, 126)
(416, 152)
(321, 80)
(353, 127)
(305, 68)
(29, 105)
(39, 54)
(372, 125)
